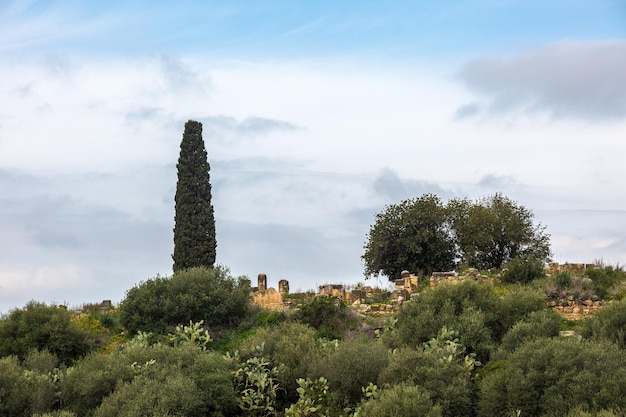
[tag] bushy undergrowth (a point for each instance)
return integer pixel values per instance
(469, 349)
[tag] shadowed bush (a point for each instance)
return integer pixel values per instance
(42, 327)
(194, 294)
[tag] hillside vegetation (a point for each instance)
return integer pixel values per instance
(193, 345)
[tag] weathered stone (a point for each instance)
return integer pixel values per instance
(283, 286)
(262, 282)
(269, 299)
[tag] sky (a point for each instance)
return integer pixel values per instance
(316, 115)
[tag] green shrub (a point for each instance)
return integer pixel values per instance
(476, 311)
(24, 392)
(171, 394)
(401, 400)
(328, 315)
(208, 375)
(538, 324)
(14, 387)
(563, 280)
(609, 323)
(550, 377)
(523, 270)
(351, 366)
(194, 294)
(447, 382)
(511, 307)
(605, 280)
(39, 326)
(293, 348)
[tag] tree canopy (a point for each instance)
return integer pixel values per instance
(194, 230)
(413, 235)
(425, 235)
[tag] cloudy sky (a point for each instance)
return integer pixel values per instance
(316, 115)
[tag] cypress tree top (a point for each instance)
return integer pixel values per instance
(194, 229)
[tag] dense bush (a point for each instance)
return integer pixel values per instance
(523, 270)
(476, 311)
(550, 377)
(350, 367)
(538, 324)
(85, 386)
(170, 394)
(401, 400)
(605, 280)
(328, 315)
(608, 324)
(291, 347)
(447, 382)
(194, 294)
(39, 326)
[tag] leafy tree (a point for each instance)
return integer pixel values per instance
(40, 326)
(194, 230)
(193, 294)
(413, 235)
(495, 230)
(424, 235)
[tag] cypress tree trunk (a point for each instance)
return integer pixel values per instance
(194, 228)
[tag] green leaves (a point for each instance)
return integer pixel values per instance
(194, 231)
(423, 235)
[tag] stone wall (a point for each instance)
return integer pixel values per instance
(452, 277)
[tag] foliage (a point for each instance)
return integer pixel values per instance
(402, 400)
(39, 326)
(329, 315)
(293, 348)
(446, 348)
(445, 377)
(168, 394)
(195, 294)
(423, 235)
(606, 279)
(134, 375)
(609, 323)
(550, 377)
(522, 270)
(193, 334)
(313, 399)
(475, 310)
(353, 365)
(412, 235)
(538, 324)
(194, 230)
(256, 381)
(494, 230)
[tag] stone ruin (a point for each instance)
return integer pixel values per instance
(269, 298)
(283, 287)
(452, 277)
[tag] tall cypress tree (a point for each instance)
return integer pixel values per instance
(194, 229)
